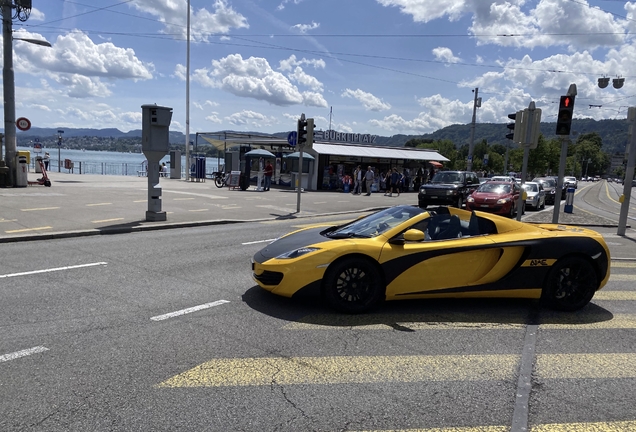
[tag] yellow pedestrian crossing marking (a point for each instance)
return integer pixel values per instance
(622, 277)
(619, 426)
(452, 321)
(338, 370)
(560, 366)
(623, 264)
(615, 295)
(398, 369)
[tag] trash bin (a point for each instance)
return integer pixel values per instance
(38, 168)
(569, 200)
(21, 172)
(200, 167)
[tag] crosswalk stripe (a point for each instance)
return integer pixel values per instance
(615, 295)
(338, 370)
(619, 426)
(382, 369)
(548, 321)
(622, 277)
(568, 366)
(621, 264)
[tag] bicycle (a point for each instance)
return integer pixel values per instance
(220, 179)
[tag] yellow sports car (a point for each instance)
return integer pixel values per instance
(405, 252)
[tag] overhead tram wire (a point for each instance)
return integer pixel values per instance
(86, 13)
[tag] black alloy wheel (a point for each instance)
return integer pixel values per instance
(353, 285)
(570, 285)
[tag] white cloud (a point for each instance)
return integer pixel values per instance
(36, 15)
(291, 62)
(307, 80)
(81, 86)
(249, 118)
(370, 102)
(304, 28)
(254, 78)
(214, 118)
(132, 117)
(203, 23)
(281, 6)
(205, 105)
(445, 54)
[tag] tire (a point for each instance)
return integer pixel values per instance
(570, 285)
(353, 285)
(218, 182)
(511, 213)
(543, 204)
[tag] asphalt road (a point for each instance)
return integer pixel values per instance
(98, 333)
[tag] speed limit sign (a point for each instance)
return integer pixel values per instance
(23, 124)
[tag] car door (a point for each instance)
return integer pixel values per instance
(435, 267)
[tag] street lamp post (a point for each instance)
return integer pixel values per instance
(8, 78)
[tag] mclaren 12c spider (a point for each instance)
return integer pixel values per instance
(405, 252)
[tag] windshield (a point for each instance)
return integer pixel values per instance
(376, 223)
(494, 188)
(548, 183)
(448, 177)
(531, 187)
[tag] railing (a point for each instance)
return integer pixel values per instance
(107, 168)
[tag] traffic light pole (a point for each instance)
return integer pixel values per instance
(300, 161)
(471, 145)
(627, 186)
(557, 201)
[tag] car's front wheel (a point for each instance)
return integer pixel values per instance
(353, 285)
(570, 285)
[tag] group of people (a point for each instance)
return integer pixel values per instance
(394, 181)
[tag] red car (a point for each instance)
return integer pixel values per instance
(495, 197)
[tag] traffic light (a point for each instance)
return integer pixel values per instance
(511, 126)
(310, 132)
(301, 139)
(564, 117)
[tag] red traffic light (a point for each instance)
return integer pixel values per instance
(566, 102)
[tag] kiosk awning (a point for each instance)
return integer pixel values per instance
(379, 152)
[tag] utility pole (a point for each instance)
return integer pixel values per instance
(476, 103)
(629, 174)
(8, 79)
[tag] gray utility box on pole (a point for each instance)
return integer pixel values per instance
(155, 143)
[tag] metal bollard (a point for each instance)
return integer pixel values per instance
(569, 200)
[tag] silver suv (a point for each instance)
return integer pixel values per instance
(570, 182)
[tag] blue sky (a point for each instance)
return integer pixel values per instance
(382, 67)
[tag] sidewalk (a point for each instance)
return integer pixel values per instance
(83, 205)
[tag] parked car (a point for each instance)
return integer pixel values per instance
(405, 252)
(448, 188)
(496, 197)
(535, 195)
(549, 187)
(502, 178)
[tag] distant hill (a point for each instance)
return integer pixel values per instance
(613, 133)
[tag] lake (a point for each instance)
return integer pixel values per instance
(106, 162)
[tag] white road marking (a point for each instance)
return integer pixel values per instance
(23, 353)
(189, 310)
(259, 241)
(51, 270)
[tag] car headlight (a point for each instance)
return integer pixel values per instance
(470, 199)
(451, 192)
(297, 253)
(503, 200)
(423, 191)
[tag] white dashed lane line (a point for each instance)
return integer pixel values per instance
(51, 270)
(23, 353)
(188, 310)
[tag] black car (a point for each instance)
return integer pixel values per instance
(448, 188)
(549, 186)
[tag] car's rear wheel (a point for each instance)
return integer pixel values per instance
(570, 285)
(353, 285)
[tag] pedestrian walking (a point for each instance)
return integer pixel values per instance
(269, 171)
(357, 178)
(46, 160)
(369, 176)
(395, 180)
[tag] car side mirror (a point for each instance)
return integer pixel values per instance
(414, 235)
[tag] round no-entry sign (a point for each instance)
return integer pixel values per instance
(23, 123)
